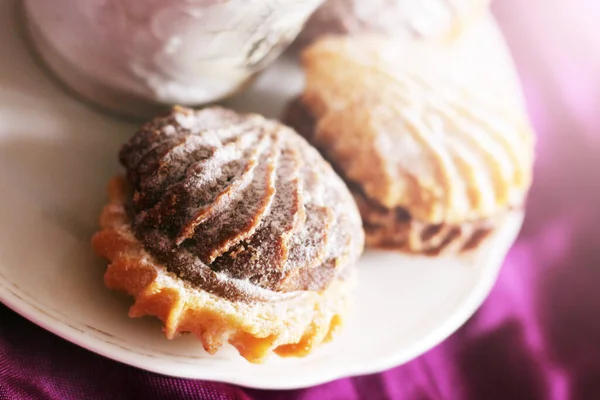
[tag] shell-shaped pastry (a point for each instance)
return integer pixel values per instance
(418, 127)
(436, 20)
(232, 227)
(221, 194)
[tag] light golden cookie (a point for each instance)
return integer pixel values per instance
(234, 228)
(435, 154)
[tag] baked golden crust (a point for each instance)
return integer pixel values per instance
(430, 20)
(418, 128)
(291, 325)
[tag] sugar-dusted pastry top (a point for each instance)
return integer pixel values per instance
(426, 19)
(420, 127)
(222, 198)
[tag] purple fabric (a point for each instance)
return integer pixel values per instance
(538, 334)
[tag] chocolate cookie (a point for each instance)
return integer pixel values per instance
(234, 228)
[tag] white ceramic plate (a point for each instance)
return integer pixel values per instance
(56, 156)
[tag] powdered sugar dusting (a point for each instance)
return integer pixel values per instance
(221, 197)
